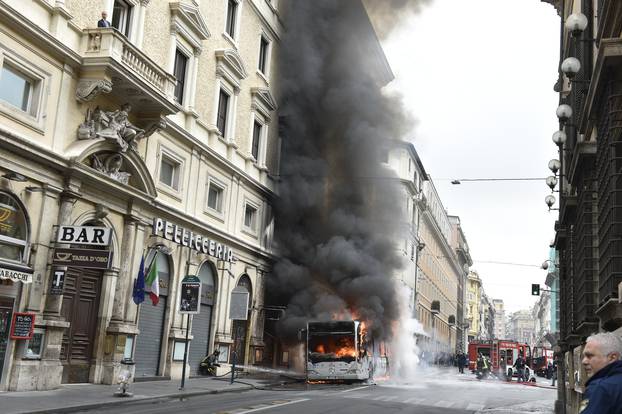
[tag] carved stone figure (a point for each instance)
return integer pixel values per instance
(88, 89)
(111, 166)
(116, 127)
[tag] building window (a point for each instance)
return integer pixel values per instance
(232, 11)
(215, 195)
(257, 127)
(250, 217)
(17, 89)
(223, 109)
(13, 229)
(121, 14)
(181, 63)
(263, 55)
(169, 172)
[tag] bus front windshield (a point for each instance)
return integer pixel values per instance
(332, 347)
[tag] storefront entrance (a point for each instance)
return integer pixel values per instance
(151, 321)
(240, 327)
(202, 322)
(80, 307)
(6, 310)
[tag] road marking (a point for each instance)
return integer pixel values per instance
(391, 398)
(414, 400)
(444, 404)
(272, 406)
(381, 398)
(356, 389)
(473, 406)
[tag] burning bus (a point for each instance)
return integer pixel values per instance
(337, 351)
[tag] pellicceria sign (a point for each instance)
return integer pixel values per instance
(187, 238)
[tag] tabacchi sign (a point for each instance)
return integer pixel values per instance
(187, 238)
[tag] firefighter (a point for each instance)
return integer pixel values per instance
(483, 366)
(519, 364)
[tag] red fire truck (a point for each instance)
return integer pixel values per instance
(501, 353)
(542, 357)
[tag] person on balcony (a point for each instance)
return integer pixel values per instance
(104, 22)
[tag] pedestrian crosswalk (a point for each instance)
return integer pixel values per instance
(373, 396)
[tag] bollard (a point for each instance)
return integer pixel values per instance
(125, 379)
(234, 357)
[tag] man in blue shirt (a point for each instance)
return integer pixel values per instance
(601, 360)
(103, 22)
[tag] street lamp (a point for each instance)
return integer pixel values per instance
(576, 24)
(550, 200)
(559, 137)
(554, 166)
(551, 181)
(564, 113)
(571, 66)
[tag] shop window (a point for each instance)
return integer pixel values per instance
(13, 229)
(34, 345)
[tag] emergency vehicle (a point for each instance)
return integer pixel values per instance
(502, 355)
(542, 357)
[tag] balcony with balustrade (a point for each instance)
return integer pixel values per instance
(113, 65)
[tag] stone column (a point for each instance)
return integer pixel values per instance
(54, 303)
(126, 266)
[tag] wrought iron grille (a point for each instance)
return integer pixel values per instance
(584, 256)
(609, 170)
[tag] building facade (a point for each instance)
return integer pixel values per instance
(474, 305)
(437, 304)
(590, 282)
(159, 128)
(499, 320)
(521, 327)
(461, 248)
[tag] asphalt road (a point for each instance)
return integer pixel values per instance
(433, 394)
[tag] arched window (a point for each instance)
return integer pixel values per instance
(13, 229)
(245, 282)
(207, 277)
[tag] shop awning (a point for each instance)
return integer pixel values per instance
(16, 273)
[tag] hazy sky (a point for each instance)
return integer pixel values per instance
(478, 76)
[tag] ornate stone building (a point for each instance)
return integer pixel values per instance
(160, 129)
(587, 231)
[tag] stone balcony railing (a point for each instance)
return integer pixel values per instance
(109, 57)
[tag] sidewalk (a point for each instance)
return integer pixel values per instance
(76, 397)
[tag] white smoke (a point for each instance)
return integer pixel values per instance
(404, 358)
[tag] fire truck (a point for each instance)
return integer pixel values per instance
(502, 355)
(542, 357)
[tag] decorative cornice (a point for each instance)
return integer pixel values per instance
(232, 61)
(191, 17)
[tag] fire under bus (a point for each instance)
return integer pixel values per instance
(502, 355)
(337, 352)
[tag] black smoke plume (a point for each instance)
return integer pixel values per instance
(337, 218)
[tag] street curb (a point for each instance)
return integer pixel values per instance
(130, 400)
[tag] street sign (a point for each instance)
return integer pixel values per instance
(89, 235)
(22, 325)
(16, 273)
(238, 308)
(58, 281)
(190, 303)
(89, 258)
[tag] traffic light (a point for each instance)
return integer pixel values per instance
(535, 289)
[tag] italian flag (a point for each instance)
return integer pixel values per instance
(152, 285)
